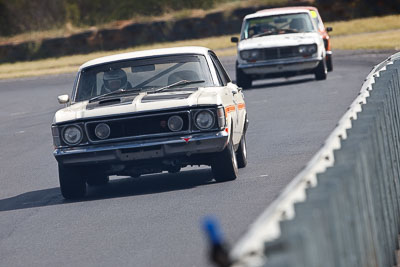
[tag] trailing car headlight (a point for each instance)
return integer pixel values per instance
(175, 123)
(245, 54)
(250, 54)
(204, 120)
(72, 135)
(102, 131)
(307, 49)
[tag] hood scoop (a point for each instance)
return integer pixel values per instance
(110, 102)
(153, 98)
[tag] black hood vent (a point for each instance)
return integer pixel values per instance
(115, 101)
(153, 98)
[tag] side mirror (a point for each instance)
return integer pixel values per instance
(63, 99)
(234, 40)
(329, 29)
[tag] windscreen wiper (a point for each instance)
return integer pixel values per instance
(181, 82)
(119, 91)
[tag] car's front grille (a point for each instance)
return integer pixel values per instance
(279, 52)
(134, 127)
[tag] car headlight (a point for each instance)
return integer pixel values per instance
(312, 49)
(245, 54)
(307, 49)
(254, 54)
(250, 54)
(102, 131)
(175, 123)
(72, 135)
(204, 119)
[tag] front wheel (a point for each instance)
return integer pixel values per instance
(321, 71)
(72, 185)
(329, 63)
(241, 153)
(224, 166)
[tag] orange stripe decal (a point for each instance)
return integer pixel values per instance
(241, 106)
(229, 109)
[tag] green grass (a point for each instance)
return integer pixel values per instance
(365, 25)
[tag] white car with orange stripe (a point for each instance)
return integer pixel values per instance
(281, 42)
(147, 112)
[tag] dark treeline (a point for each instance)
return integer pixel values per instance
(349, 9)
(17, 16)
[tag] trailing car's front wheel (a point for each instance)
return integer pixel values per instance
(241, 153)
(321, 71)
(72, 185)
(242, 80)
(224, 166)
(329, 63)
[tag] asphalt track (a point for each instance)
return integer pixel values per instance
(155, 220)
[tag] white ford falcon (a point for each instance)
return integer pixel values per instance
(147, 112)
(280, 42)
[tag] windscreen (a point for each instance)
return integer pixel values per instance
(277, 24)
(146, 74)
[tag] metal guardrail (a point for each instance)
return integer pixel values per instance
(343, 208)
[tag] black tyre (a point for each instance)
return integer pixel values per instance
(321, 71)
(329, 63)
(241, 153)
(224, 166)
(72, 184)
(97, 179)
(242, 80)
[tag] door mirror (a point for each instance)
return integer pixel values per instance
(63, 99)
(234, 40)
(329, 29)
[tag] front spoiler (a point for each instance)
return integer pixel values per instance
(141, 150)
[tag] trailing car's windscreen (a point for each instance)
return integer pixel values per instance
(142, 75)
(277, 24)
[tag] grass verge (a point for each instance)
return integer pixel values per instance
(370, 33)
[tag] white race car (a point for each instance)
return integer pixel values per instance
(147, 112)
(280, 42)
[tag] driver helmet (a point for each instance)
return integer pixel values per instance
(115, 79)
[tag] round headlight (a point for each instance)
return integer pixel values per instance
(302, 49)
(175, 123)
(245, 54)
(102, 131)
(312, 49)
(72, 135)
(254, 54)
(204, 119)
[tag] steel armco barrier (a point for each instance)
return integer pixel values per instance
(343, 208)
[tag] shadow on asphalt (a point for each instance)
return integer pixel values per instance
(263, 84)
(149, 184)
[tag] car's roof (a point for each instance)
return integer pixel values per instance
(281, 10)
(147, 53)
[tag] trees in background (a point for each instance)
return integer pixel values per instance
(344, 9)
(17, 16)
(31, 15)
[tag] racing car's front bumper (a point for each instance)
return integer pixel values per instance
(124, 152)
(291, 65)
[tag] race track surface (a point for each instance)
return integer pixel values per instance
(155, 220)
